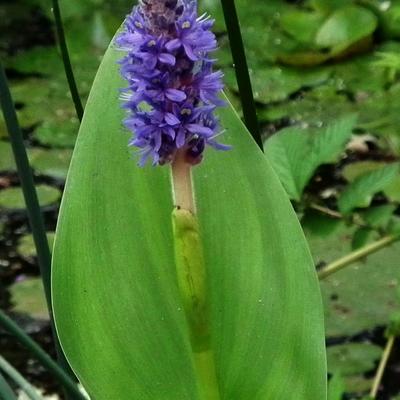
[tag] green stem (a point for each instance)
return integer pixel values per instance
(241, 69)
(28, 186)
(9, 370)
(191, 277)
(9, 325)
(31, 200)
(66, 60)
(6, 392)
(382, 366)
(356, 256)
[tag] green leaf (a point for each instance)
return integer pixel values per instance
(353, 358)
(360, 192)
(349, 362)
(295, 153)
(27, 297)
(301, 25)
(2, 226)
(26, 245)
(328, 5)
(13, 199)
(345, 27)
(336, 387)
(379, 217)
(361, 237)
(7, 162)
(354, 170)
(273, 84)
(320, 225)
(116, 301)
(377, 280)
(54, 163)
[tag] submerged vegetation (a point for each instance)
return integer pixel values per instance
(326, 83)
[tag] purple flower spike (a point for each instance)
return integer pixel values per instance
(172, 90)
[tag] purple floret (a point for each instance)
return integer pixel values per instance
(172, 90)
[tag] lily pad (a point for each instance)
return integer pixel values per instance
(353, 358)
(47, 106)
(348, 309)
(302, 25)
(345, 27)
(358, 384)
(27, 297)
(7, 162)
(53, 163)
(26, 246)
(274, 84)
(327, 6)
(315, 108)
(13, 199)
(59, 132)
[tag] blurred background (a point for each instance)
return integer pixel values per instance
(326, 81)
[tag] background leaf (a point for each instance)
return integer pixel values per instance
(376, 278)
(345, 27)
(27, 297)
(13, 199)
(296, 153)
(336, 387)
(353, 358)
(360, 192)
(116, 304)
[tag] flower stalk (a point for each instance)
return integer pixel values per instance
(191, 277)
(182, 183)
(170, 100)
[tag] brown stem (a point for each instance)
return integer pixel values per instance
(182, 182)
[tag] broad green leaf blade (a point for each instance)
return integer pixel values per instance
(360, 192)
(296, 153)
(115, 297)
(116, 302)
(267, 321)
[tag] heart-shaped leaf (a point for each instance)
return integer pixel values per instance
(115, 295)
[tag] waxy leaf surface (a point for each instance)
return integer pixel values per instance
(115, 295)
